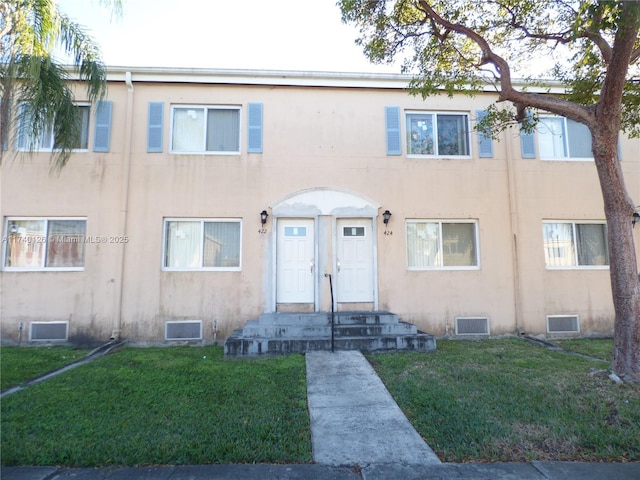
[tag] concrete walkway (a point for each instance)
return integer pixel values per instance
(354, 419)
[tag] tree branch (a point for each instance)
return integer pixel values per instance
(567, 36)
(598, 40)
(507, 92)
(614, 82)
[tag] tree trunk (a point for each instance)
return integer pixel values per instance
(625, 282)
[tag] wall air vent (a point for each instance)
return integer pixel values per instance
(183, 330)
(563, 324)
(48, 331)
(472, 326)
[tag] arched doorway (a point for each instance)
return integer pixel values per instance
(320, 232)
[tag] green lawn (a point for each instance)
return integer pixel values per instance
(19, 364)
(489, 400)
(601, 348)
(178, 405)
(508, 400)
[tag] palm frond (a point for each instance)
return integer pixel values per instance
(31, 31)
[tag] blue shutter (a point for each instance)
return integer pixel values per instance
(485, 143)
(254, 122)
(23, 129)
(527, 143)
(154, 127)
(619, 149)
(392, 123)
(5, 138)
(102, 136)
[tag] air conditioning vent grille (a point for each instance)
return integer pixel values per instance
(563, 324)
(183, 330)
(49, 331)
(472, 326)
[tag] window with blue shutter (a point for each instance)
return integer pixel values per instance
(485, 142)
(154, 127)
(392, 124)
(102, 137)
(254, 122)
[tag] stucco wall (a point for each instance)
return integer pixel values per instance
(314, 137)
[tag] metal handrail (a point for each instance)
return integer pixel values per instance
(332, 310)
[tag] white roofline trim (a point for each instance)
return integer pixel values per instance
(282, 78)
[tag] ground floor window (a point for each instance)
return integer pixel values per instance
(45, 243)
(572, 244)
(206, 244)
(433, 244)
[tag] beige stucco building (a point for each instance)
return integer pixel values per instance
(157, 217)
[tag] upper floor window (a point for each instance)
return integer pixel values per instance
(438, 134)
(45, 243)
(200, 129)
(202, 244)
(569, 244)
(560, 138)
(434, 244)
(47, 138)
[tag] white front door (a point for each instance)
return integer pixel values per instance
(295, 260)
(354, 261)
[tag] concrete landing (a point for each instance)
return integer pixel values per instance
(354, 419)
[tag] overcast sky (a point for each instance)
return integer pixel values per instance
(247, 34)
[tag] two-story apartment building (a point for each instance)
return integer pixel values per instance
(199, 199)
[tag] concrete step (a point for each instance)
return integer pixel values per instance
(256, 329)
(238, 345)
(324, 318)
(283, 333)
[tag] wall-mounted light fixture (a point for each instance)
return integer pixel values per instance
(263, 217)
(635, 219)
(386, 216)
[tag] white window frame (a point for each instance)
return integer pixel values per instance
(38, 143)
(440, 222)
(566, 157)
(203, 150)
(201, 245)
(44, 242)
(434, 114)
(573, 224)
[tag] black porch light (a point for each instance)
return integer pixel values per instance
(386, 216)
(263, 217)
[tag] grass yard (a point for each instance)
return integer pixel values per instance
(601, 348)
(178, 405)
(19, 364)
(508, 400)
(489, 400)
